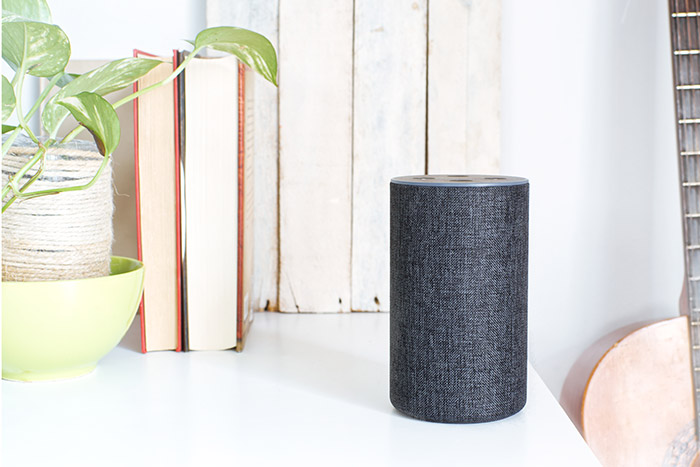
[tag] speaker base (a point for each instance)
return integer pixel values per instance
(460, 420)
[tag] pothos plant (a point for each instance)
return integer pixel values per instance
(32, 45)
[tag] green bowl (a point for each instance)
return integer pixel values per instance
(60, 329)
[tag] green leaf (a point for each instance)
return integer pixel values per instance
(98, 116)
(7, 128)
(9, 17)
(42, 49)
(66, 78)
(8, 99)
(250, 47)
(33, 10)
(108, 78)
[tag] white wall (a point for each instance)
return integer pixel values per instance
(112, 30)
(587, 116)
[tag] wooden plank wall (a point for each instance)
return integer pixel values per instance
(368, 91)
(464, 75)
(315, 155)
(388, 132)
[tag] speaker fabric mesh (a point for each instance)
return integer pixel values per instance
(458, 300)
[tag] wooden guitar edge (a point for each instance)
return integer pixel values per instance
(576, 384)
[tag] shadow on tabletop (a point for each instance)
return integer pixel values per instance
(132, 338)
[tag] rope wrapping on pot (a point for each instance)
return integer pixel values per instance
(63, 236)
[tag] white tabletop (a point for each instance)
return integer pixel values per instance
(308, 389)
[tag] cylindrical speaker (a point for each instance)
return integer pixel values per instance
(458, 303)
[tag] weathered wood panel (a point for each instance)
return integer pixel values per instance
(464, 82)
(316, 42)
(388, 131)
(345, 130)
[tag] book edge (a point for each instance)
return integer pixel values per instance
(138, 204)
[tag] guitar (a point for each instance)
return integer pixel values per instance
(640, 404)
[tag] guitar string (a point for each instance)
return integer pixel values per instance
(691, 167)
(680, 72)
(685, 110)
(692, 61)
(691, 175)
(690, 137)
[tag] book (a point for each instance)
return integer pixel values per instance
(210, 203)
(217, 203)
(246, 203)
(157, 223)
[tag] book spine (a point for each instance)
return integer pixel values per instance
(142, 182)
(181, 212)
(178, 207)
(138, 205)
(241, 203)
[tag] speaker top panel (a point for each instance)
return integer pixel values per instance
(459, 180)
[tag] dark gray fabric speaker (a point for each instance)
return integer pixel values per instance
(458, 303)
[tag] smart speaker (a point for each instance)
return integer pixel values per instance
(458, 303)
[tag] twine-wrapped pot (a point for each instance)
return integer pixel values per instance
(62, 236)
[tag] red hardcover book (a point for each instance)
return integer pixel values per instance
(245, 203)
(194, 184)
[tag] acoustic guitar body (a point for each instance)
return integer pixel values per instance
(637, 407)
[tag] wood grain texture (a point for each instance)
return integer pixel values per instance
(260, 16)
(388, 132)
(577, 379)
(464, 82)
(316, 42)
(638, 403)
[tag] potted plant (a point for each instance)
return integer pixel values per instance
(66, 301)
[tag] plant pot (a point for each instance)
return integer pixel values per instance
(63, 236)
(60, 329)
